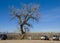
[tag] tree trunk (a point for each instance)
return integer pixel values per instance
(22, 32)
(21, 27)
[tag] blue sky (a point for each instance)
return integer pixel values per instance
(49, 13)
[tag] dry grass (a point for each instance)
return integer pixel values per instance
(28, 41)
(34, 36)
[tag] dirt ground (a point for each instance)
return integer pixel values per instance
(28, 41)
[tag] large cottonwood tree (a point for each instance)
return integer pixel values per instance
(25, 13)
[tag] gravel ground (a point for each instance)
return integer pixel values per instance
(28, 41)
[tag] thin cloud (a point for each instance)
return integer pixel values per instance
(51, 15)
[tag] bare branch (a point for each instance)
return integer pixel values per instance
(28, 24)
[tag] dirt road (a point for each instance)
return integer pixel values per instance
(27, 41)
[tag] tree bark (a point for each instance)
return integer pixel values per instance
(21, 27)
(22, 32)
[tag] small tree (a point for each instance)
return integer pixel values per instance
(25, 14)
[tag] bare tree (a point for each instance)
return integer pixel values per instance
(24, 14)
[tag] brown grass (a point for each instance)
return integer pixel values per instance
(34, 36)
